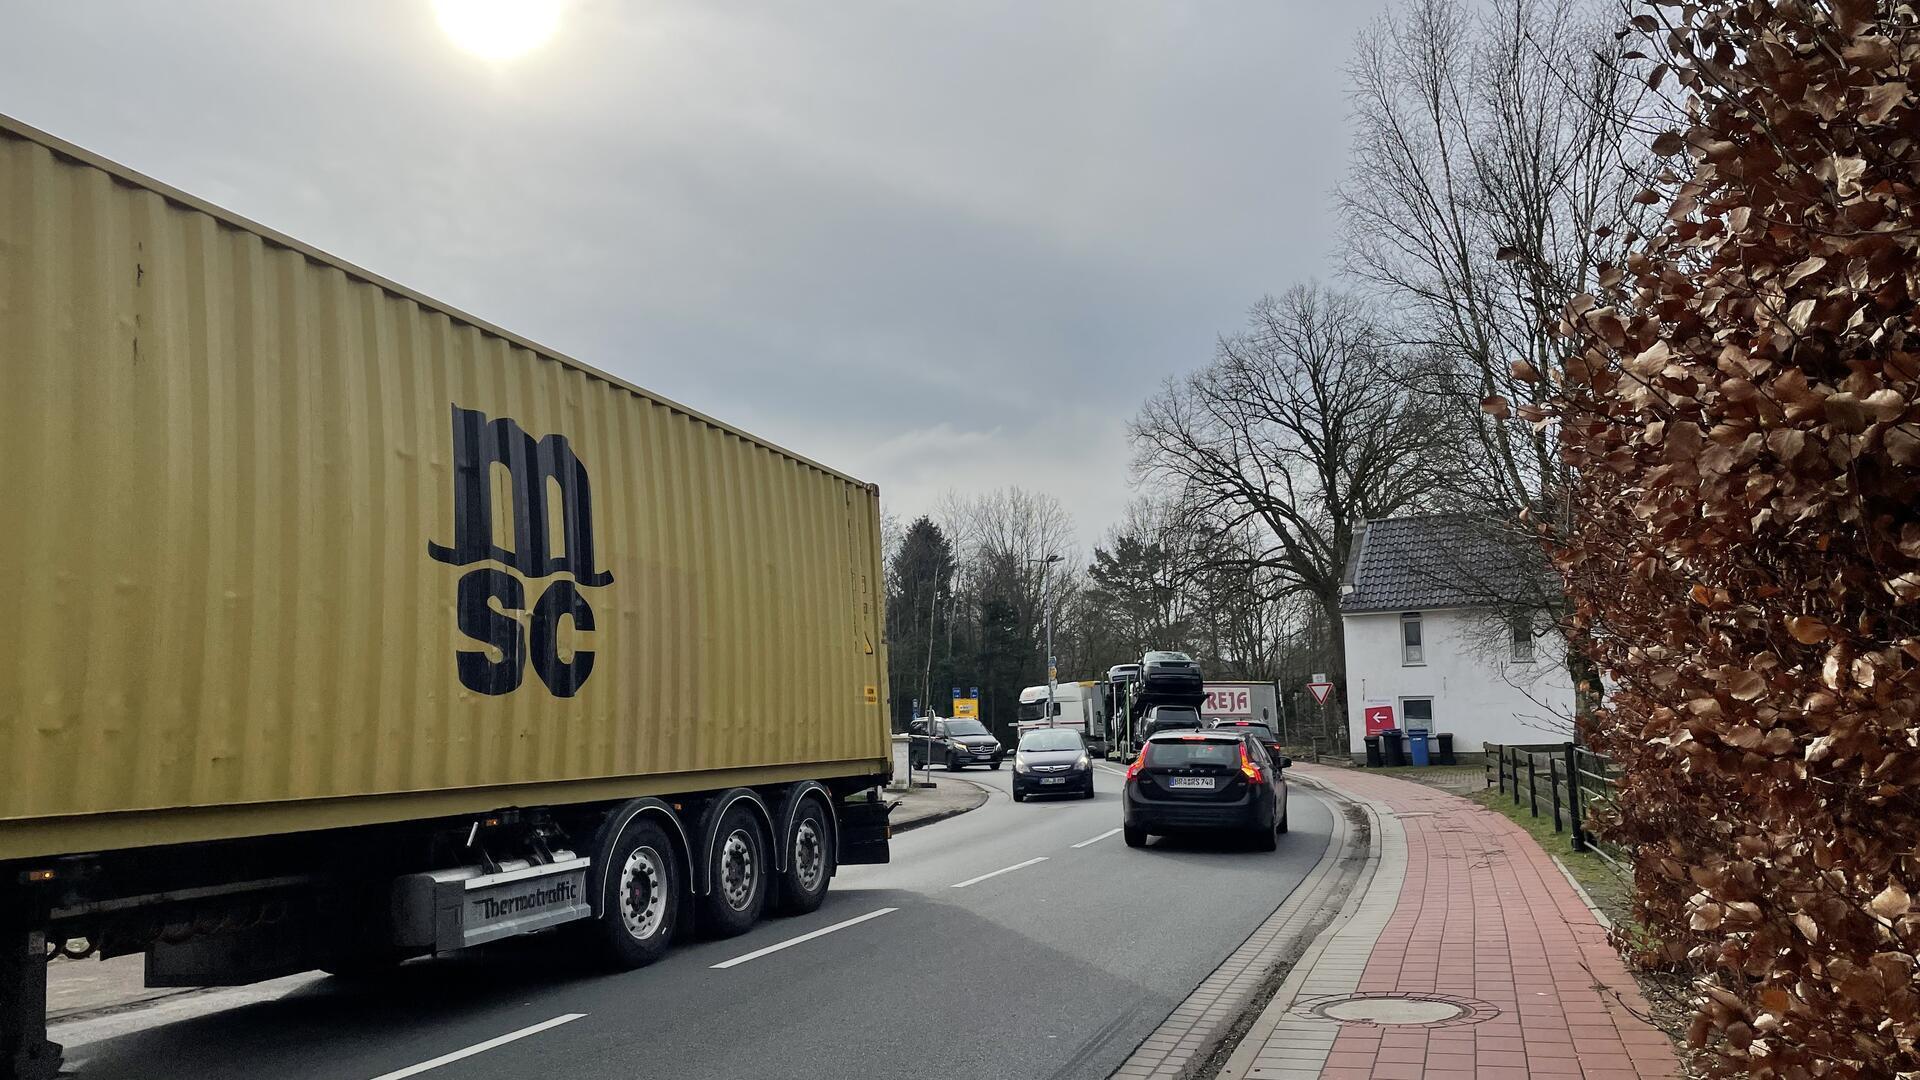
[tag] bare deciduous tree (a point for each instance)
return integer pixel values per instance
(1298, 430)
(1493, 174)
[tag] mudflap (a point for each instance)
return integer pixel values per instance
(25, 1053)
(864, 832)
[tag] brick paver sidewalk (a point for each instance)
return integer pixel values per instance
(1466, 908)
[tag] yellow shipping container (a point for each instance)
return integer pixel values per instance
(289, 547)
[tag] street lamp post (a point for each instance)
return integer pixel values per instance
(1046, 608)
(926, 692)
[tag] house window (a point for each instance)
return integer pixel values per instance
(1522, 631)
(1411, 653)
(1416, 713)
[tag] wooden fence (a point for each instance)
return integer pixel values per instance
(1567, 779)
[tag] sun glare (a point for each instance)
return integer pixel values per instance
(498, 29)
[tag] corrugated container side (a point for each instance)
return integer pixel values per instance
(234, 576)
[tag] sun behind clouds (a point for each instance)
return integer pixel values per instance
(499, 29)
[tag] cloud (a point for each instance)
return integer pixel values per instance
(861, 229)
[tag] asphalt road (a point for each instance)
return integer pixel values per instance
(1021, 940)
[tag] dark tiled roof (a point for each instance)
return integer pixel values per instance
(1443, 561)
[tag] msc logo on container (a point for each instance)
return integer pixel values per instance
(488, 595)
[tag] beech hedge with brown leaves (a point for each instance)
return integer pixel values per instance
(1740, 407)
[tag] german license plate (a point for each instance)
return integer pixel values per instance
(1053, 779)
(1201, 783)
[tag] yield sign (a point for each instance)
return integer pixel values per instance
(1320, 690)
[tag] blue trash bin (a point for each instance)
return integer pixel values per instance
(1417, 747)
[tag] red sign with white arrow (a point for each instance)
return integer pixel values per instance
(1320, 690)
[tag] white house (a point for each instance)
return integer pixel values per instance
(1431, 635)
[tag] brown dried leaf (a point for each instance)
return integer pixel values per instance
(1748, 686)
(1845, 412)
(1903, 445)
(1854, 17)
(1891, 903)
(1882, 100)
(1707, 916)
(1806, 629)
(1800, 272)
(1800, 314)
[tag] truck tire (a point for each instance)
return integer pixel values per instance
(738, 875)
(642, 907)
(803, 884)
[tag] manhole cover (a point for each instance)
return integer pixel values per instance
(1387, 1010)
(1431, 1010)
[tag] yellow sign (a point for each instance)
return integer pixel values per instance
(873, 694)
(969, 708)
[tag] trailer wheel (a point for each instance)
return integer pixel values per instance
(738, 875)
(642, 905)
(803, 885)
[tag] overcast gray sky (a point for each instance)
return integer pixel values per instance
(941, 246)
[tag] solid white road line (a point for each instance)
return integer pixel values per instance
(480, 1048)
(997, 873)
(791, 942)
(1096, 839)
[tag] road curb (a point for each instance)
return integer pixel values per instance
(1585, 897)
(1211, 1021)
(949, 813)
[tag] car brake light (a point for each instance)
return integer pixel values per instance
(1247, 766)
(1139, 763)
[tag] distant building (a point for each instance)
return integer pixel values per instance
(1434, 610)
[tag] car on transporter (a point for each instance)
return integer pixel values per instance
(1161, 718)
(1170, 672)
(1205, 782)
